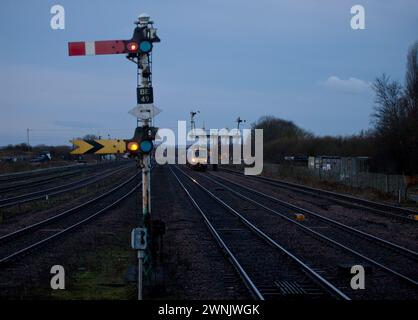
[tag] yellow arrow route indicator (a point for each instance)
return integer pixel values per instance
(99, 146)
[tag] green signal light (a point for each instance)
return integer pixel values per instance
(146, 146)
(145, 46)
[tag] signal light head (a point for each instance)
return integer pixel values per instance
(145, 46)
(146, 146)
(133, 146)
(132, 47)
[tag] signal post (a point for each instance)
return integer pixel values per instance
(138, 50)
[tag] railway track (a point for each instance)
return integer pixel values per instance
(23, 175)
(327, 226)
(342, 244)
(268, 269)
(29, 182)
(60, 189)
(401, 214)
(23, 241)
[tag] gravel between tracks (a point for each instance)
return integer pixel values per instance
(316, 253)
(29, 278)
(405, 234)
(195, 267)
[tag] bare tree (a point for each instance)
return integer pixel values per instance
(388, 110)
(411, 105)
(396, 118)
(411, 78)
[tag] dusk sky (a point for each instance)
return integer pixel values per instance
(297, 59)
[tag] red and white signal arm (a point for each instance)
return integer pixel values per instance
(91, 48)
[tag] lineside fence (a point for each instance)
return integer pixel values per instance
(395, 186)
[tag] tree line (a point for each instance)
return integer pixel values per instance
(391, 142)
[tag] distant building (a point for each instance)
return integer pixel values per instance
(345, 167)
(297, 160)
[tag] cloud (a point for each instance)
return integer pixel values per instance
(351, 85)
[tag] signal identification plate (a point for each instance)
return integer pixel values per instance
(145, 95)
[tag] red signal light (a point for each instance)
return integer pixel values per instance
(132, 47)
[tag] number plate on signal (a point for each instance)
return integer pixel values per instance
(145, 95)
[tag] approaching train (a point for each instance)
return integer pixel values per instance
(199, 159)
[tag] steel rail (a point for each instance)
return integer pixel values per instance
(327, 239)
(44, 241)
(344, 199)
(22, 174)
(405, 251)
(243, 274)
(32, 196)
(22, 231)
(324, 283)
(27, 184)
(18, 253)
